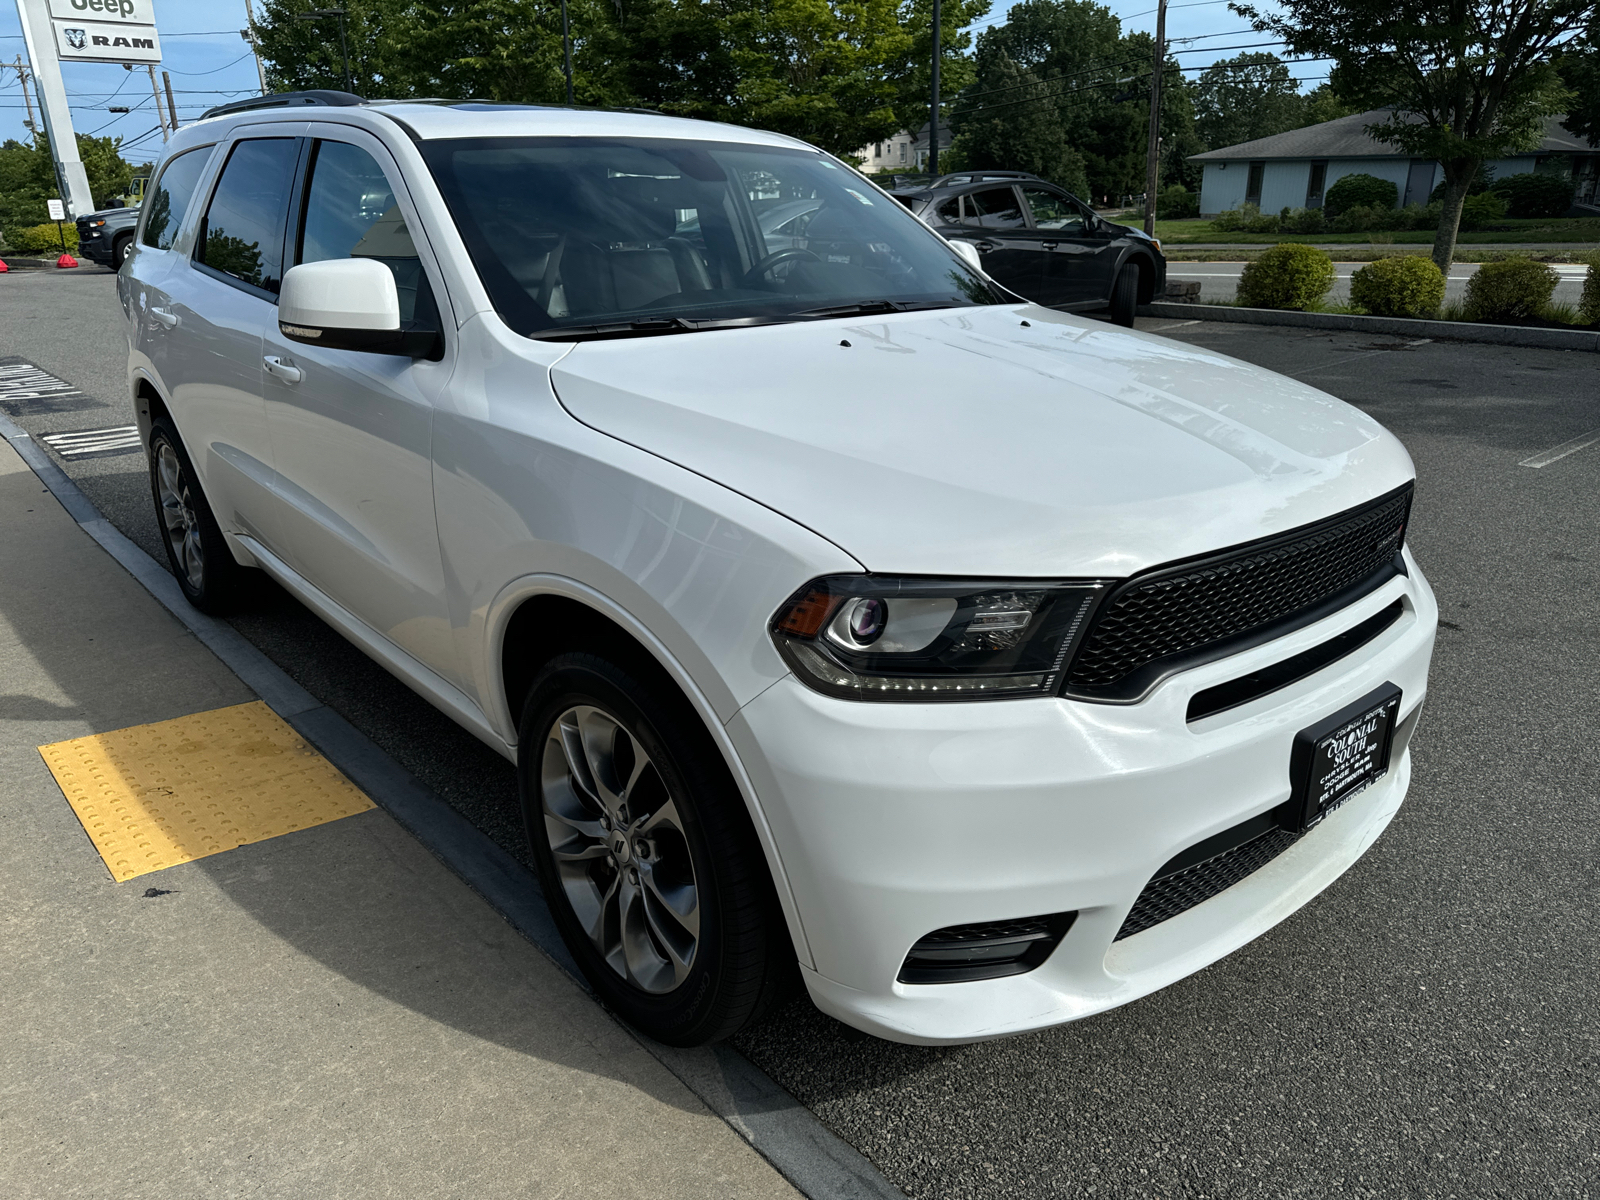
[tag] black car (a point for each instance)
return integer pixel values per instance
(1043, 243)
(107, 236)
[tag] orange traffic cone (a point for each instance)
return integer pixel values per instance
(3, 267)
(66, 260)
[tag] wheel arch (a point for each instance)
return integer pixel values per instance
(536, 618)
(148, 404)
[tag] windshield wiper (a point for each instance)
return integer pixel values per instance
(867, 308)
(613, 329)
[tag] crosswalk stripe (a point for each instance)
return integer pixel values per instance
(81, 443)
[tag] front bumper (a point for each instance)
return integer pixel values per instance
(893, 820)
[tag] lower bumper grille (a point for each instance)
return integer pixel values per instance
(1178, 889)
(988, 950)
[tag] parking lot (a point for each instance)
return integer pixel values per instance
(1428, 1026)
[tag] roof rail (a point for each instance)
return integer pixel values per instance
(285, 100)
(979, 177)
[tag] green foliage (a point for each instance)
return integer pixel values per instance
(1513, 289)
(1589, 302)
(1580, 71)
(1241, 99)
(1291, 275)
(1321, 104)
(1304, 220)
(1480, 182)
(1025, 135)
(838, 73)
(1483, 209)
(1534, 194)
(28, 179)
(1247, 218)
(1403, 286)
(235, 256)
(42, 239)
(1177, 203)
(1359, 191)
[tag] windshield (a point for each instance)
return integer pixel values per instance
(654, 235)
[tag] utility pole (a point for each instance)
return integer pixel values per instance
(37, 36)
(566, 48)
(249, 32)
(1153, 164)
(317, 14)
(933, 106)
(27, 94)
(156, 92)
(172, 105)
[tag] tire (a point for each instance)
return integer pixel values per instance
(120, 249)
(1125, 296)
(204, 567)
(658, 885)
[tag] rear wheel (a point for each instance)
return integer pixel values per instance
(646, 855)
(1125, 296)
(206, 571)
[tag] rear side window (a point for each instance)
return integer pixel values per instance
(242, 236)
(950, 211)
(351, 212)
(997, 208)
(168, 201)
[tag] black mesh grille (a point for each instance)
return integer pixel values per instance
(989, 931)
(1182, 610)
(1167, 896)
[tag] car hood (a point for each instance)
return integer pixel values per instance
(1009, 440)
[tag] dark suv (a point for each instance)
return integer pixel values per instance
(1043, 243)
(107, 236)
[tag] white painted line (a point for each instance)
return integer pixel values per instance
(82, 443)
(1557, 453)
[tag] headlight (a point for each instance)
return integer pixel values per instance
(866, 637)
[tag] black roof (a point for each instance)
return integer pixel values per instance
(962, 178)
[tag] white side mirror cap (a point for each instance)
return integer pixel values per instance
(968, 253)
(341, 293)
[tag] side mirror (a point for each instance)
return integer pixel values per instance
(968, 253)
(348, 304)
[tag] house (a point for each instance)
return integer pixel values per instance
(1295, 169)
(905, 151)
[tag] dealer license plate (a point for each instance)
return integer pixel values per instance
(1336, 758)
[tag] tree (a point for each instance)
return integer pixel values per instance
(1465, 80)
(1026, 137)
(1580, 71)
(28, 177)
(1245, 98)
(1321, 104)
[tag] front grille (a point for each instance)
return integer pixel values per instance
(1180, 613)
(987, 950)
(1165, 896)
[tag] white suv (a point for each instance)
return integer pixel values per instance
(992, 666)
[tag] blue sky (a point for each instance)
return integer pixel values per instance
(209, 63)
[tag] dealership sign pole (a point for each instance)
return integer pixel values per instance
(40, 40)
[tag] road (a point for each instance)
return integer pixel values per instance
(1220, 280)
(1427, 1027)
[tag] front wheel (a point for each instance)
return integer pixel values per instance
(1125, 296)
(206, 570)
(645, 853)
(120, 251)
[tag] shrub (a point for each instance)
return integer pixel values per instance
(1532, 195)
(1177, 203)
(42, 239)
(1358, 219)
(1483, 209)
(1235, 219)
(1303, 220)
(1511, 290)
(1480, 183)
(1589, 304)
(1406, 285)
(1360, 191)
(1423, 216)
(1290, 275)
(1265, 223)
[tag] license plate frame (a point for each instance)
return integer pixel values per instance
(1337, 757)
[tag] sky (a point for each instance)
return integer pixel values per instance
(210, 64)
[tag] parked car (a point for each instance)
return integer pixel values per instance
(984, 666)
(106, 236)
(1043, 243)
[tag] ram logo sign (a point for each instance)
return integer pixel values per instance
(96, 41)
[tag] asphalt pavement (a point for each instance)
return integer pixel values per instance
(1426, 1027)
(1220, 280)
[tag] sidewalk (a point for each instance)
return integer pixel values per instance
(328, 1013)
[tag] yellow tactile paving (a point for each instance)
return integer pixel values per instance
(157, 795)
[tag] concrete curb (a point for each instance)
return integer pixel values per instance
(1439, 331)
(816, 1161)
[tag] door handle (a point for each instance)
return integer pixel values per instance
(1050, 245)
(169, 319)
(283, 369)
(985, 247)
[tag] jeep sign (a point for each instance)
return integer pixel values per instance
(76, 12)
(98, 41)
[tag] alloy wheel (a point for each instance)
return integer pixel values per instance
(178, 516)
(620, 849)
